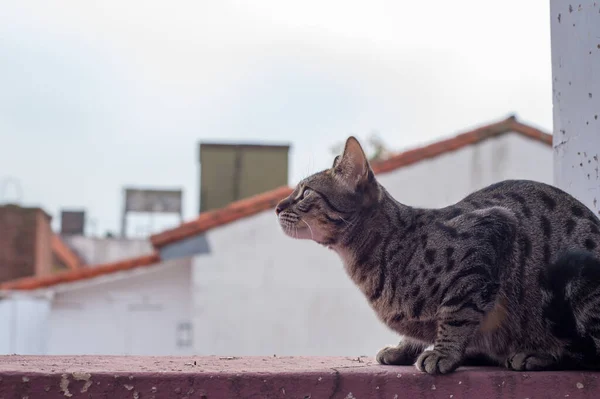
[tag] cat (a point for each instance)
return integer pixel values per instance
(509, 275)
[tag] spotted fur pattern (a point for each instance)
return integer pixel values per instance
(509, 275)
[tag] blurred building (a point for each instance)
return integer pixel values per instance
(232, 269)
(28, 247)
(231, 172)
(100, 250)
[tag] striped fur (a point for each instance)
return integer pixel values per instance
(510, 274)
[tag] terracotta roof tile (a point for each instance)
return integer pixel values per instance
(32, 283)
(462, 140)
(268, 200)
(62, 251)
(234, 211)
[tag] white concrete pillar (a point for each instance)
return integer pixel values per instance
(575, 34)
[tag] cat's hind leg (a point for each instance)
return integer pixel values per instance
(573, 284)
(583, 293)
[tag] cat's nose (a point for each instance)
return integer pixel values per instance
(281, 206)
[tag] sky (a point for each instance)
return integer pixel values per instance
(95, 96)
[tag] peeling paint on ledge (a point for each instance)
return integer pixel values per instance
(270, 377)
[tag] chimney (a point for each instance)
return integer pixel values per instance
(231, 172)
(25, 242)
(72, 222)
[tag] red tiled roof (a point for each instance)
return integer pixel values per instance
(32, 283)
(64, 253)
(234, 211)
(268, 200)
(462, 140)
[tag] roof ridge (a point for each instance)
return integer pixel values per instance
(530, 131)
(65, 253)
(36, 282)
(235, 210)
(458, 141)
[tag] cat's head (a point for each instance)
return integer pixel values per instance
(325, 206)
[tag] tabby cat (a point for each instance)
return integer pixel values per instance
(510, 274)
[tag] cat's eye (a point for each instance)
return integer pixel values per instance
(306, 192)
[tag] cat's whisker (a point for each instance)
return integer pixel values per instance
(310, 228)
(348, 224)
(289, 230)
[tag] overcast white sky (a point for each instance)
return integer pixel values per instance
(98, 95)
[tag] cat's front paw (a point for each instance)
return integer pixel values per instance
(404, 354)
(396, 356)
(436, 362)
(524, 361)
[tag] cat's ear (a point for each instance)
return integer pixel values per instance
(353, 166)
(336, 160)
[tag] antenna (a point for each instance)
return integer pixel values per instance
(6, 182)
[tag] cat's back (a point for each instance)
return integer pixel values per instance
(528, 198)
(547, 215)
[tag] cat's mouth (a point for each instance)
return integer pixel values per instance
(295, 227)
(296, 230)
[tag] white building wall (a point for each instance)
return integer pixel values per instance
(95, 251)
(137, 314)
(259, 292)
(448, 178)
(24, 322)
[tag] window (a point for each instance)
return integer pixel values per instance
(184, 334)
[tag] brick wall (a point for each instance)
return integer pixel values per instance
(43, 241)
(25, 246)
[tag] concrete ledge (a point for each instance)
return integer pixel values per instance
(270, 377)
